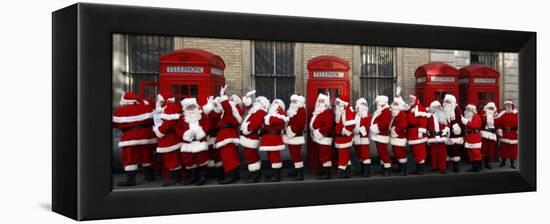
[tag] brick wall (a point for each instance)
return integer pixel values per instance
(510, 73)
(408, 60)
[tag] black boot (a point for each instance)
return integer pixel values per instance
(341, 173)
(130, 180)
(191, 177)
(231, 177)
(397, 168)
(299, 174)
(404, 169)
(253, 177)
(174, 178)
(276, 175)
(148, 172)
(366, 172)
(211, 172)
(361, 169)
(419, 169)
(488, 163)
(475, 166)
(387, 172)
(513, 164)
(502, 163)
(293, 173)
(201, 175)
(456, 167)
(324, 174)
(220, 174)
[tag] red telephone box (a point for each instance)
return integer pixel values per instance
(478, 85)
(188, 73)
(327, 75)
(434, 80)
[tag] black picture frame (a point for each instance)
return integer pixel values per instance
(81, 75)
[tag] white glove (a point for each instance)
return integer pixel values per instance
(393, 133)
(346, 132)
(285, 119)
(251, 93)
(363, 131)
(445, 131)
(420, 135)
(317, 134)
(456, 129)
(188, 135)
(356, 131)
(289, 132)
(499, 133)
(222, 90)
(244, 128)
(210, 100)
(374, 129)
(421, 132)
(464, 120)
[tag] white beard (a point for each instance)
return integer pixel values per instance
(450, 110)
(292, 110)
(362, 111)
(338, 111)
(191, 116)
(468, 114)
(441, 116)
(395, 111)
(319, 108)
(490, 118)
(273, 109)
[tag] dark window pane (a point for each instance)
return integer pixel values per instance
(377, 72)
(263, 57)
(194, 91)
(265, 87)
(184, 90)
(274, 69)
(485, 58)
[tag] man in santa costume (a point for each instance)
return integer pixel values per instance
(243, 103)
(213, 112)
(272, 138)
(472, 136)
(294, 137)
(455, 140)
(194, 150)
(438, 132)
(380, 131)
(344, 118)
(227, 138)
(135, 119)
(398, 131)
(250, 137)
(361, 137)
(169, 143)
(488, 133)
(508, 133)
(417, 118)
(321, 128)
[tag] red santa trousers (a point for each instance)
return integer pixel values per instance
(230, 157)
(194, 159)
(252, 158)
(509, 151)
(275, 159)
(489, 148)
(134, 155)
(325, 156)
(363, 153)
(474, 154)
(384, 153)
(214, 156)
(296, 155)
(438, 152)
(343, 158)
(453, 151)
(419, 152)
(399, 153)
(172, 160)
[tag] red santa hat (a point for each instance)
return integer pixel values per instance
(399, 100)
(166, 97)
(300, 100)
(414, 99)
(279, 103)
(262, 100)
(361, 101)
(472, 108)
(381, 99)
(435, 104)
(509, 102)
(343, 100)
(236, 99)
(490, 104)
(450, 98)
(325, 98)
(188, 102)
(129, 98)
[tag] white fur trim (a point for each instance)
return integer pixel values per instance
(324, 141)
(374, 129)
(455, 158)
(358, 140)
(276, 165)
(398, 141)
(289, 132)
(211, 163)
(244, 127)
(157, 132)
(417, 141)
(235, 113)
(349, 122)
(299, 165)
(226, 141)
(387, 165)
(456, 129)
(342, 167)
(280, 116)
(488, 135)
(509, 141)
(421, 161)
(132, 167)
(272, 148)
(420, 113)
(438, 140)
(170, 116)
(298, 140)
(146, 164)
(137, 142)
(343, 145)
(211, 140)
(422, 130)
(403, 160)
(130, 119)
(472, 145)
(327, 164)
(194, 146)
(381, 138)
(199, 133)
(177, 168)
(219, 164)
(455, 141)
(346, 132)
(255, 166)
(366, 161)
(207, 108)
(247, 101)
(248, 142)
(169, 148)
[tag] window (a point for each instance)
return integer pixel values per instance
(274, 69)
(485, 58)
(182, 91)
(377, 72)
(483, 98)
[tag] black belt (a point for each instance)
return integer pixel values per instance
(413, 126)
(228, 126)
(492, 130)
(509, 129)
(271, 132)
(438, 133)
(471, 131)
(212, 132)
(257, 132)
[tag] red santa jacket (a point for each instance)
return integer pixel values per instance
(344, 129)
(136, 122)
(362, 127)
(381, 122)
(274, 123)
(398, 129)
(322, 127)
(488, 129)
(168, 138)
(295, 128)
(229, 123)
(508, 125)
(472, 136)
(250, 127)
(456, 127)
(214, 119)
(193, 134)
(417, 119)
(437, 132)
